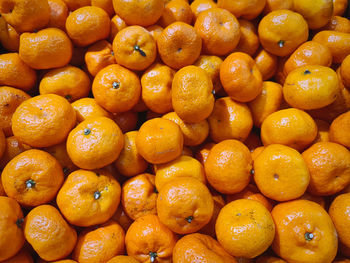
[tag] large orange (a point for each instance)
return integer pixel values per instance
(339, 130)
(246, 9)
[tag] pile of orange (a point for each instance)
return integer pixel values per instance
(174, 131)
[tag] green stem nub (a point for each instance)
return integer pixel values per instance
(189, 219)
(30, 183)
(68, 97)
(280, 43)
(137, 48)
(309, 236)
(87, 131)
(307, 72)
(19, 222)
(97, 195)
(116, 85)
(153, 256)
(252, 171)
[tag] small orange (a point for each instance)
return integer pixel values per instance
(140, 106)
(122, 218)
(314, 198)
(249, 40)
(9, 37)
(192, 96)
(179, 45)
(291, 127)
(106, 5)
(156, 84)
(185, 205)
(339, 7)
(339, 130)
(304, 232)
(95, 143)
(58, 14)
(139, 196)
(100, 244)
(176, 10)
(345, 72)
(322, 131)
(219, 30)
(88, 24)
(269, 259)
(203, 152)
(48, 48)
(241, 77)
(198, 6)
(280, 74)
(23, 256)
(43, 121)
(273, 5)
(155, 31)
(338, 23)
(245, 9)
(228, 166)
(117, 89)
(15, 73)
(13, 147)
(48, 233)
(230, 120)
(87, 108)
(257, 151)
(282, 31)
(159, 141)
(266, 63)
(127, 120)
(123, 259)
(117, 24)
(75, 4)
(99, 56)
(245, 228)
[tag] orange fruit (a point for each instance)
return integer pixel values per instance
(13, 147)
(88, 24)
(200, 248)
(179, 45)
(314, 198)
(245, 228)
(174, 11)
(282, 31)
(121, 218)
(198, 6)
(280, 75)
(339, 130)
(339, 7)
(48, 233)
(304, 232)
(139, 196)
(156, 84)
(291, 127)
(329, 166)
(75, 4)
(245, 9)
(249, 40)
(32, 178)
(25, 15)
(266, 63)
(139, 12)
(219, 30)
(192, 96)
(100, 244)
(281, 173)
(117, 89)
(69, 82)
(106, 5)
(123, 259)
(269, 259)
(23, 256)
(88, 108)
(345, 72)
(228, 166)
(9, 37)
(11, 219)
(273, 5)
(338, 23)
(15, 73)
(43, 121)
(184, 205)
(255, 153)
(102, 142)
(241, 77)
(159, 141)
(148, 240)
(58, 14)
(322, 131)
(127, 120)
(230, 120)
(155, 31)
(253, 140)
(203, 152)
(117, 24)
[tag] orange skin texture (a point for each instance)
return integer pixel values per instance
(293, 220)
(203, 152)
(339, 130)
(241, 77)
(15, 73)
(35, 14)
(308, 53)
(122, 218)
(75, 4)
(269, 259)
(337, 42)
(228, 166)
(58, 14)
(123, 259)
(290, 27)
(13, 147)
(269, 101)
(9, 37)
(88, 108)
(249, 40)
(184, 166)
(257, 151)
(273, 5)
(125, 46)
(311, 87)
(345, 72)
(127, 120)
(87, 25)
(281, 173)
(185, 205)
(291, 127)
(23, 256)
(245, 228)
(48, 233)
(192, 96)
(11, 213)
(194, 133)
(338, 23)
(99, 56)
(101, 244)
(147, 234)
(322, 131)
(339, 7)
(43, 121)
(106, 5)
(198, 6)
(176, 10)
(10, 99)
(117, 24)
(35, 165)
(329, 166)
(69, 82)
(200, 248)
(156, 84)
(179, 45)
(53, 43)
(139, 196)
(266, 63)
(230, 120)
(117, 89)
(139, 12)
(245, 9)
(155, 31)
(130, 162)
(89, 197)
(159, 141)
(219, 30)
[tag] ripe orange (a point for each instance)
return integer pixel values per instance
(246, 9)
(176, 10)
(339, 130)
(249, 40)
